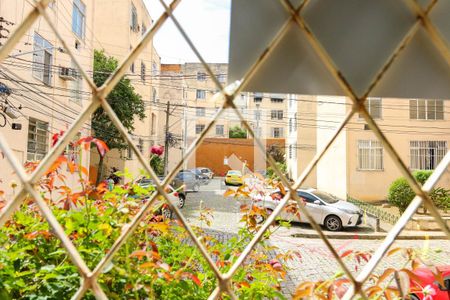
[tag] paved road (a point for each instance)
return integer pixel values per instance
(316, 261)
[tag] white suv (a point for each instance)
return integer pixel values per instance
(326, 209)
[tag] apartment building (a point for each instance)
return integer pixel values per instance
(357, 164)
(41, 90)
(119, 26)
(189, 89)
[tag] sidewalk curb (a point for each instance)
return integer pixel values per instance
(369, 236)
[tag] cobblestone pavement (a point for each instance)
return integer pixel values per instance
(316, 261)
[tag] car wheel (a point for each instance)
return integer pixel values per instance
(166, 213)
(181, 201)
(196, 188)
(333, 223)
(260, 218)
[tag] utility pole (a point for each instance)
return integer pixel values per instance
(166, 143)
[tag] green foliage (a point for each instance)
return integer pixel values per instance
(125, 102)
(237, 132)
(157, 164)
(157, 262)
(277, 153)
(271, 173)
(400, 193)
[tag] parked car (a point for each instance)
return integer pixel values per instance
(204, 179)
(191, 181)
(207, 172)
(176, 196)
(326, 209)
(233, 177)
(427, 278)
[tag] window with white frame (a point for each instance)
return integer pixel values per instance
(79, 18)
(154, 95)
(290, 151)
(77, 85)
(199, 128)
(154, 69)
(370, 155)
(201, 94)
(153, 125)
(222, 78)
(134, 19)
(129, 153)
(38, 140)
(291, 127)
(277, 98)
(276, 114)
(277, 132)
(201, 76)
(220, 130)
(257, 115)
(374, 107)
(42, 59)
(426, 155)
(421, 109)
(140, 146)
(200, 111)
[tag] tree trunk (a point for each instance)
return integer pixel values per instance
(99, 171)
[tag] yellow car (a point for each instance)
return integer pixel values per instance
(233, 177)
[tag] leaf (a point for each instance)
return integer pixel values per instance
(373, 290)
(411, 275)
(305, 289)
(148, 264)
(193, 278)
(346, 253)
(139, 254)
(385, 275)
(393, 251)
(229, 192)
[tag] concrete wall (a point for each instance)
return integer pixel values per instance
(332, 168)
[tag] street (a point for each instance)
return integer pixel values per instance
(316, 262)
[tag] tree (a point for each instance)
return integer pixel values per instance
(125, 102)
(237, 132)
(277, 152)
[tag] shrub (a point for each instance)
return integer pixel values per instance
(400, 193)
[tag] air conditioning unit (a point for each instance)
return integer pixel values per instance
(67, 73)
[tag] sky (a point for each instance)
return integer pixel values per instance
(206, 22)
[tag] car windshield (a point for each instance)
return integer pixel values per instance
(328, 198)
(205, 171)
(234, 173)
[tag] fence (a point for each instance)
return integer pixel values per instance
(375, 211)
(227, 95)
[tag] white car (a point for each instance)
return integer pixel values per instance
(326, 209)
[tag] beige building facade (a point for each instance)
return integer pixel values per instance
(189, 89)
(45, 93)
(119, 26)
(357, 165)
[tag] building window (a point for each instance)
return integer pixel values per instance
(257, 115)
(144, 29)
(143, 71)
(79, 18)
(201, 94)
(370, 155)
(291, 102)
(201, 76)
(42, 59)
(37, 139)
(77, 85)
(199, 128)
(276, 98)
(153, 124)
(154, 99)
(72, 150)
(257, 97)
(373, 106)
(276, 115)
(132, 68)
(129, 153)
(290, 151)
(220, 130)
(154, 69)
(291, 127)
(222, 78)
(420, 109)
(140, 146)
(200, 111)
(277, 132)
(426, 155)
(134, 19)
